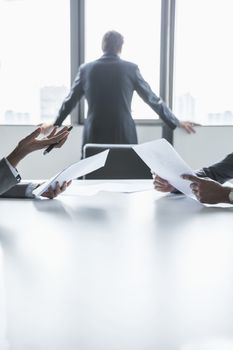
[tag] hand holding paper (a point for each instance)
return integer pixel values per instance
(162, 159)
(74, 171)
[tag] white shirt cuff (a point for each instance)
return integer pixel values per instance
(13, 170)
(30, 189)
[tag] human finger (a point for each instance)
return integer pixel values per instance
(33, 135)
(57, 189)
(52, 140)
(160, 180)
(194, 186)
(188, 127)
(192, 178)
(184, 126)
(64, 186)
(197, 195)
(65, 128)
(53, 132)
(152, 173)
(49, 193)
(161, 188)
(61, 143)
(195, 191)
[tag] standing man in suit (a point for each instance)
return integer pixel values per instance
(9, 176)
(108, 85)
(207, 185)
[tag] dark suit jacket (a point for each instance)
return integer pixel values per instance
(108, 85)
(7, 179)
(221, 171)
(17, 191)
(9, 184)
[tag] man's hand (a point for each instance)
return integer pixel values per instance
(207, 190)
(31, 143)
(188, 126)
(162, 185)
(52, 193)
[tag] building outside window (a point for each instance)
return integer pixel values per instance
(203, 61)
(34, 59)
(35, 55)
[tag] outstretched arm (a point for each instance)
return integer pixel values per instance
(31, 143)
(221, 171)
(71, 100)
(158, 105)
(9, 176)
(24, 190)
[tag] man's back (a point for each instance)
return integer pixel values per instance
(108, 85)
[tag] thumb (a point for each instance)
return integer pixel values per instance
(191, 178)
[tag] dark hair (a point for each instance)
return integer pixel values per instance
(112, 42)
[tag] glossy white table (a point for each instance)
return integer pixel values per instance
(115, 271)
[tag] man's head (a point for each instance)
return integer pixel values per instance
(112, 42)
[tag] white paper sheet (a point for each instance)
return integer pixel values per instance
(162, 159)
(74, 171)
(86, 188)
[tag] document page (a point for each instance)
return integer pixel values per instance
(74, 171)
(92, 187)
(164, 161)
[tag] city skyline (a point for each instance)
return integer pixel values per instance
(50, 99)
(29, 62)
(185, 108)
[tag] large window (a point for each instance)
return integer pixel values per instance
(34, 59)
(204, 61)
(35, 54)
(139, 23)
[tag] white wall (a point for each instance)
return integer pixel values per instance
(207, 146)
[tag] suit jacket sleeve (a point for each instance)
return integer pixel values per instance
(18, 191)
(144, 91)
(221, 171)
(7, 178)
(72, 99)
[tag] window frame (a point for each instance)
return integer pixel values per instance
(77, 116)
(77, 57)
(77, 54)
(167, 42)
